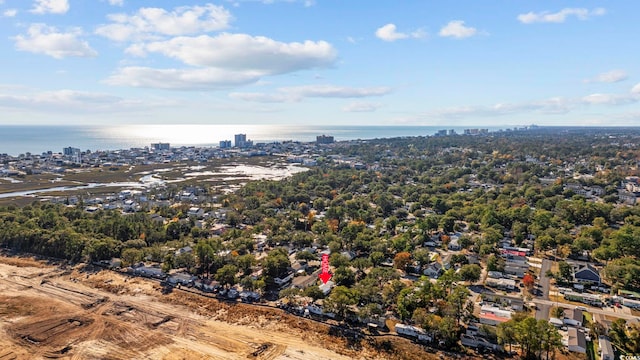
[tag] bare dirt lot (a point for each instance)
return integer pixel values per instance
(52, 311)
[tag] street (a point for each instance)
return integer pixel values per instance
(593, 310)
(542, 313)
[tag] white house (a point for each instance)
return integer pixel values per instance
(326, 288)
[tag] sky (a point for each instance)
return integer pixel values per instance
(320, 62)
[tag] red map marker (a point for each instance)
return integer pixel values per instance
(325, 275)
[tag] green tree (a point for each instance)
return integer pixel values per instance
(447, 280)
(226, 275)
(456, 301)
(344, 276)
(339, 301)
(565, 271)
(448, 331)
(557, 312)
(470, 272)
(507, 332)
(131, 256)
(313, 292)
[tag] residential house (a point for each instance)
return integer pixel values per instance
(348, 254)
(516, 269)
(605, 348)
(478, 342)
(573, 317)
(514, 303)
(576, 341)
(586, 273)
(218, 229)
(326, 287)
(196, 211)
(280, 281)
(184, 250)
(182, 278)
(503, 284)
(627, 197)
(249, 296)
(433, 270)
(149, 272)
(187, 196)
(454, 244)
(491, 315)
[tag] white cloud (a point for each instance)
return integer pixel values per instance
(43, 39)
(241, 52)
(149, 23)
(306, 3)
(361, 107)
(336, 91)
(10, 13)
(609, 99)
(298, 93)
(457, 29)
(389, 33)
(612, 76)
(50, 7)
(116, 2)
(182, 79)
(549, 106)
(552, 106)
(560, 16)
(264, 97)
(71, 102)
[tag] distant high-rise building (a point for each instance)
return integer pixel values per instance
(240, 140)
(441, 133)
(70, 151)
(324, 139)
(160, 146)
(452, 132)
(74, 153)
(225, 144)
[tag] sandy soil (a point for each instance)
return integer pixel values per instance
(49, 311)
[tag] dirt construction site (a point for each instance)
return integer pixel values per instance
(50, 311)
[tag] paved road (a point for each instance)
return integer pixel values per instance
(593, 310)
(543, 308)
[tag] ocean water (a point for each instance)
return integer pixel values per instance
(16, 140)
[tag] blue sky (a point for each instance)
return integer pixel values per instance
(334, 62)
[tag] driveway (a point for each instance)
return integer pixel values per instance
(544, 307)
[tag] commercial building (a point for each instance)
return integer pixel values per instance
(160, 146)
(240, 141)
(324, 139)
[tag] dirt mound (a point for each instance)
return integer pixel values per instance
(56, 331)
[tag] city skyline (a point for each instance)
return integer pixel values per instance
(109, 62)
